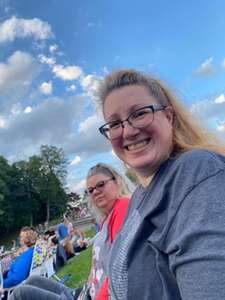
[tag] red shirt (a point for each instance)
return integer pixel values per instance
(102, 247)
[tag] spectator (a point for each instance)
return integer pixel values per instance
(20, 267)
(62, 230)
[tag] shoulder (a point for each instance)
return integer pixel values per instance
(121, 203)
(196, 158)
(117, 216)
(28, 252)
(194, 166)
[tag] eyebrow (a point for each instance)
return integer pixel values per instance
(134, 107)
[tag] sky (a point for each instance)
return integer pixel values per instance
(53, 54)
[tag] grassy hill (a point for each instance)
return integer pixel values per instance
(79, 268)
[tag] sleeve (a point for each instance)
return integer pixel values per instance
(19, 271)
(197, 257)
(117, 217)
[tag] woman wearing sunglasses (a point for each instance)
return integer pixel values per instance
(108, 195)
(171, 246)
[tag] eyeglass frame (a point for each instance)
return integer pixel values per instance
(98, 188)
(153, 107)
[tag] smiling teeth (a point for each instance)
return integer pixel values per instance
(137, 146)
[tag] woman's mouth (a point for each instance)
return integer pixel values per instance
(137, 145)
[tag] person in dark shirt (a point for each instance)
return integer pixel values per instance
(172, 242)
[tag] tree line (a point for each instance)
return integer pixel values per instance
(32, 191)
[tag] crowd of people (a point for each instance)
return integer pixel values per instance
(63, 242)
(167, 240)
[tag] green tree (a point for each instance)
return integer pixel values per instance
(6, 212)
(54, 170)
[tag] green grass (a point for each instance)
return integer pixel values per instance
(79, 267)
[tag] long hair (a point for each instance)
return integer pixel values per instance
(187, 133)
(123, 189)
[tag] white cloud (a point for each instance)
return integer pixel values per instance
(221, 127)
(105, 70)
(2, 122)
(20, 28)
(223, 63)
(67, 73)
(90, 123)
(78, 187)
(46, 60)
(16, 69)
(16, 109)
(28, 110)
(206, 67)
(87, 81)
(71, 88)
(46, 88)
(76, 160)
(51, 122)
(90, 84)
(220, 99)
(53, 48)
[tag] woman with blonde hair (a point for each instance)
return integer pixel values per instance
(20, 267)
(108, 193)
(171, 244)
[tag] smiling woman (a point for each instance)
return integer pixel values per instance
(170, 244)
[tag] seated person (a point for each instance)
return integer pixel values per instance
(20, 267)
(62, 230)
(78, 242)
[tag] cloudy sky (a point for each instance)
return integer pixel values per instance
(52, 54)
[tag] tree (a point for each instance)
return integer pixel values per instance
(53, 168)
(6, 213)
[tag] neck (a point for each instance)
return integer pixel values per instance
(145, 180)
(145, 176)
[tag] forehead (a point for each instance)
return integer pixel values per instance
(125, 99)
(91, 181)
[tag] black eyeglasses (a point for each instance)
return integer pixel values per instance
(139, 118)
(99, 186)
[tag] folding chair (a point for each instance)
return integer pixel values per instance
(38, 264)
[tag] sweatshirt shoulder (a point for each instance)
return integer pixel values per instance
(201, 161)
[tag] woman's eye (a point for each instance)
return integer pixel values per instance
(140, 113)
(114, 125)
(100, 184)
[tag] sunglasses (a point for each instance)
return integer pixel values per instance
(99, 186)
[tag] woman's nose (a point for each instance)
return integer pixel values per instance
(129, 130)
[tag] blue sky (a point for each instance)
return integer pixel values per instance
(53, 53)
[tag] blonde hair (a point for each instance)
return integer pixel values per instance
(101, 168)
(30, 236)
(187, 134)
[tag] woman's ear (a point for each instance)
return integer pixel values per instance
(169, 114)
